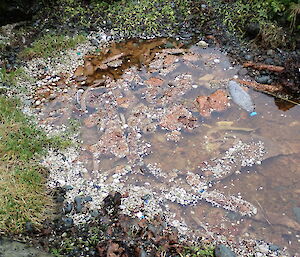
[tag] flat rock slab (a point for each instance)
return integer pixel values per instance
(10, 248)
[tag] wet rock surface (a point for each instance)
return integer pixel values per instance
(10, 248)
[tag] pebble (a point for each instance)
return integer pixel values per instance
(269, 61)
(29, 227)
(248, 57)
(265, 79)
(273, 247)
(94, 213)
(68, 222)
(78, 200)
(270, 52)
(263, 248)
(223, 251)
(202, 44)
(88, 199)
(68, 208)
(216, 61)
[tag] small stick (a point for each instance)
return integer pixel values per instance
(260, 87)
(262, 66)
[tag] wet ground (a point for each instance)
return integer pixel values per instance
(157, 124)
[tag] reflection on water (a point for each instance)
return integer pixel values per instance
(228, 174)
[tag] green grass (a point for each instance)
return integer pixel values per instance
(146, 17)
(23, 195)
(51, 45)
(196, 251)
(10, 78)
(273, 16)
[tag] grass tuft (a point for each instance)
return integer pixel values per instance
(23, 195)
(51, 45)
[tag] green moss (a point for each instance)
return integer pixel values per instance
(51, 45)
(147, 17)
(10, 77)
(22, 181)
(238, 14)
(196, 251)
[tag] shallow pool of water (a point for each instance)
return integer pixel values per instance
(222, 173)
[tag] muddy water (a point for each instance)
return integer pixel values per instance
(218, 172)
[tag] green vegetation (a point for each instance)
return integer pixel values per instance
(23, 195)
(50, 45)
(270, 15)
(10, 78)
(147, 17)
(129, 18)
(196, 251)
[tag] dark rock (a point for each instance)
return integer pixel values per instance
(60, 198)
(252, 30)
(78, 203)
(67, 222)
(296, 211)
(95, 42)
(223, 251)
(68, 208)
(273, 247)
(67, 187)
(95, 213)
(88, 199)
(269, 61)
(248, 57)
(78, 200)
(265, 79)
(29, 227)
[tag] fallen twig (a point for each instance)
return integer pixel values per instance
(262, 66)
(261, 87)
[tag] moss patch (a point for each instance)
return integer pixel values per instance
(51, 45)
(147, 17)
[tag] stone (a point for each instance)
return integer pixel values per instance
(67, 222)
(68, 208)
(94, 213)
(252, 30)
(248, 57)
(270, 52)
(29, 227)
(202, 44)
(269, 61)
(223, 251)
(88, 199)
(265, 79)
(296, 211)
(9, 248)
(95, 42)
(273, 247)
(78, 203)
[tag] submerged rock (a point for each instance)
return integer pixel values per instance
(10, 248)
(223, 251)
